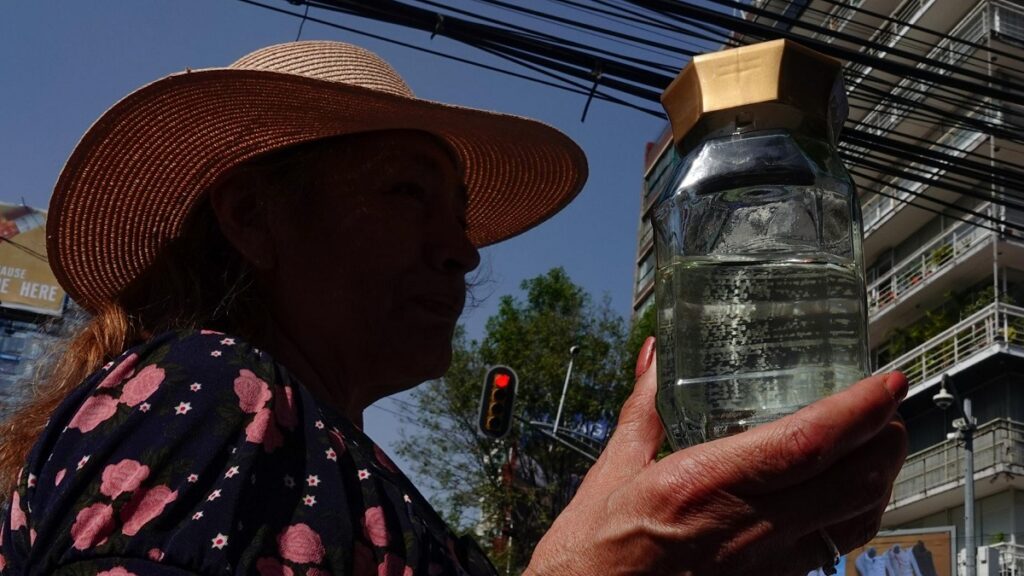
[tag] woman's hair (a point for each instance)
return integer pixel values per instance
(198, 280)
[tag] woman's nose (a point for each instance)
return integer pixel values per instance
(451, 249)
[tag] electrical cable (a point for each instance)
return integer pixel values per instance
(632, 23)
(935, 144)
(37, 255)
(883, 64)
(957, 166)
(1018, 228)
(539, 54)
(646, 46)
(939, 35)
(474, 34)
(930, 183)
(434, 52)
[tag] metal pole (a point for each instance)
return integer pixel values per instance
(565, 388)
(970, 544)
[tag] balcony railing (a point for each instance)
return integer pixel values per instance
(997, 442)
(838, 17)
(927, 262)
(878, 208)
(995, 325)
(1011, 558)
(961, 42)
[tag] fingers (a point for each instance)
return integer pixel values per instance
(811, 551)
(791, 450)
(847, 500)
(859, 483)
(789, 555)
(639, 433)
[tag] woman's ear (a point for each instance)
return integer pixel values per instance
(241, 204)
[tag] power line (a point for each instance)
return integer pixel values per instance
(582, 69)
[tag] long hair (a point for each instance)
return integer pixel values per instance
(199, 280)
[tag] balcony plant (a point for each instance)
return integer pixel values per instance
(937, 257)
(956, 306)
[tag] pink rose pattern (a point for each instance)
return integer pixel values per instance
(253, 393)
(142, 386)
(94, 411)
(144, 506)
(120, 372)
(116, 571)
(300, 543)
(92, 525)
(125, 476)
(170, 446)
(373, 524)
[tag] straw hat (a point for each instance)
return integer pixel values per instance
(138, 172)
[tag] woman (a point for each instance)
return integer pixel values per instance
(269, 248)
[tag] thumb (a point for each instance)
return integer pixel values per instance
(639, 433)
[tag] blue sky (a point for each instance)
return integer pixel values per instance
(62, 64)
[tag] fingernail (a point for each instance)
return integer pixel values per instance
(896, 384)
(643, 361)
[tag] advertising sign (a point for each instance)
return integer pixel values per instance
(26, 282)
(922, 552)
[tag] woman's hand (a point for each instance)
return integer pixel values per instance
(750, 503)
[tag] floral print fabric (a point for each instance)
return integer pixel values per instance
(196, 453)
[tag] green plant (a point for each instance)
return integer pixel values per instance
(939, 256)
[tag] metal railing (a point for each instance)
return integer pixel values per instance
(837, 19)
(996, 442)
(995, 324)
(959, 44)
(921, 267)
(878, 208)
(1007, 19)
(1011, 558)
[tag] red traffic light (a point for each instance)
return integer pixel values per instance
(499, 392)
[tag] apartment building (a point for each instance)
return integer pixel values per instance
(945, 295)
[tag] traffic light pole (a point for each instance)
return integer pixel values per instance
(562, 441)
(565, 387)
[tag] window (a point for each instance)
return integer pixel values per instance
(645, 272)
(646, 230)
(661, 175)
(1008, 21)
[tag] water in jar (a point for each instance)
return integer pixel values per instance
(771, 318)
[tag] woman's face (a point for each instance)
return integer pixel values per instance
(369, 259)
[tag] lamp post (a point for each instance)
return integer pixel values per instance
(573, 351)
(965, 427)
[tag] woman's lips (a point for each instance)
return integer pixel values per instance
(439, 306)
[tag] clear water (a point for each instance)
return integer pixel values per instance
(743, 341)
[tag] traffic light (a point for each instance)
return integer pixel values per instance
(496, 402)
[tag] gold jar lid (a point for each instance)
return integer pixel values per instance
(776, 84)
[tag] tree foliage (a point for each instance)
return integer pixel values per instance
(515, 487)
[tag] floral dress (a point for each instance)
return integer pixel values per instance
(197, 454)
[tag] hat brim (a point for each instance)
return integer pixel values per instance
(138, 172)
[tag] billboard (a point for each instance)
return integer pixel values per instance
(920, 552)
(26, 282)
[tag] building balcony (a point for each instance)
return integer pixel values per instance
(927, 266)
(951, 261)
(932, 480)
(997, 328)
(1011, 558)
(891, 216)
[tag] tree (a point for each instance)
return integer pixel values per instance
(509, 491)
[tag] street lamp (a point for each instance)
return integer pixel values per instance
(965, 427)
(573, 351)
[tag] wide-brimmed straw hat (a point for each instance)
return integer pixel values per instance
(139, 171)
